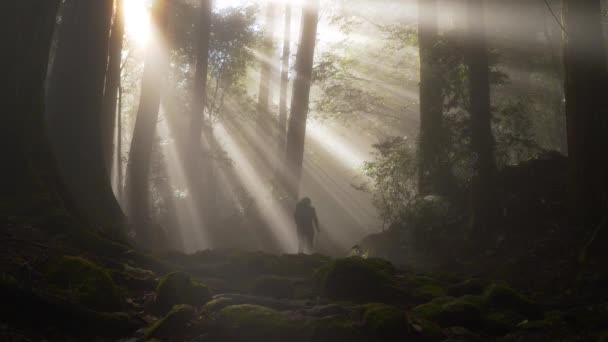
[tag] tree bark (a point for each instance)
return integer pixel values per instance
(484, 207)
(138, 166)
(296, 133)
(433, 173)
(29, 178)
(264, 94)
(75, 99)
(110, 96)
(586, 113)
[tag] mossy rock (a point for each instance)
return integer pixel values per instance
(179, 288)
(333, 329)
(473, 286)
(384, 322)
(360, 280)
(449, 312)
(425, 288)
(502, 322)
(503, 298)
(85, 283)
(588, 317)
(176, 320)
(248, 322)
(272, 286)
(603, 337)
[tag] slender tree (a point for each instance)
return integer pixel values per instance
(75, 98)
(432, 169)
(296, 133)
(29, 178)
(110, 96)
(199, 165)
(586, 113)
(266, 70)
(483, 205)
(138, 166)
(282, 123)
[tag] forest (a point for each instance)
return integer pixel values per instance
(304, 170)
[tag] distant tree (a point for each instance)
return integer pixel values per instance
(266, 72)
(296, 132)
(483, 202)
(29, 177)
(586, 108)
(203, 196)
(433, 167)
(153, 80)
(282, 123)
(110, 95)
(75, 98)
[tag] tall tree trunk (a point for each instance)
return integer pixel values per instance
(483, 205)
(138, 167)
(75, 99)
(433, 173)
(110, 96)
(266, 71)
(29, 179)
(119, 161)
(201, 163)
(296, 133)
(282, 124)
(586, 113)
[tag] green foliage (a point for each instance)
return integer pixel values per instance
(358, 279)
(180, 288)
(175, 320)
(85, 283)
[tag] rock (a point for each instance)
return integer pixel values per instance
(449, 312)
(327, 310)
(333, 330)
(272, 286)
(85, 283)
(175, 321)
(384, 322)
(248, 323)
(503, 298)
(180, 288)
(221, 301)
(473, 286)
(360, 280)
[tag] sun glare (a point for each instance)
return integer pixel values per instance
(137, 20)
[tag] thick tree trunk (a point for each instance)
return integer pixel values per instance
(264, 94)
(296, 133)
(200, 163)
(484, 207)
(75, 99)
(138, 167)
(282, 123)
(433, 173)
(110, 96)
(29, 178)
(586, 113)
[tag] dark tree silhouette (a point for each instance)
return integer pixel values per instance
(282, 123)
(75, 97)
(138, 167)
(586, 108)
(296, 133)
(266, 72)
(483, 202)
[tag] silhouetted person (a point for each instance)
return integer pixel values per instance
(306, 222)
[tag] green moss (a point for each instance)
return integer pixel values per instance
(359, 279)
(253, 323)
(85, 283)
(473, 286)
(385, 322)
(179, 288)
(175, 320)
(449, 311)
(333, 329)
(273, 286)
(217, 304)
(499, 323)
(503, 298)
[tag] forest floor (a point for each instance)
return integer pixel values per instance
(61, 282)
